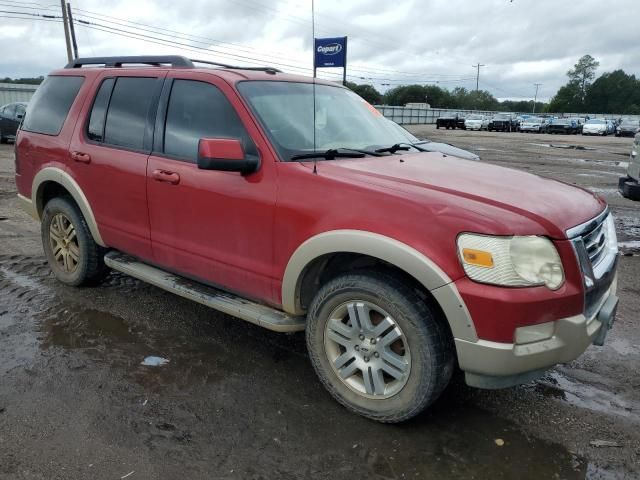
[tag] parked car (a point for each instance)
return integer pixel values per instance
(503, 122)
(449, 121)
(10, 117)
(629, 185)
(429, 146)
(628, 127)
(595, 126)
(217, 184)
(580, 121)
(565, 126)
(532, 124)
(476, 122)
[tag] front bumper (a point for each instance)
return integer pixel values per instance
(497, 365)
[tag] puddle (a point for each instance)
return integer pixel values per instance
(587, 396)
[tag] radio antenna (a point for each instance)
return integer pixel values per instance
(313, 48)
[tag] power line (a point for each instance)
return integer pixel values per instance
(478, 74)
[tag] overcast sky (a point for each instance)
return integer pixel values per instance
(521, 42)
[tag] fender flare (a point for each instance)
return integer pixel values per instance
(396, 253)
(59, 176)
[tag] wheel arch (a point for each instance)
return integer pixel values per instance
(307, 257)
(56, 178)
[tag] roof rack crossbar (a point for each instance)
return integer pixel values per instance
(155, 60)
(237, 67)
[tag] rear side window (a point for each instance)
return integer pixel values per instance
(50, 104)
(95, 129)
(199, 110)
(128, 111)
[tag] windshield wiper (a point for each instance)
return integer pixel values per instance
(400, 146)
(334, 153)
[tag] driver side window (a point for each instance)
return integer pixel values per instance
(200, 110)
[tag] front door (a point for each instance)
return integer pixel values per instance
(210, 225)
(109, 153)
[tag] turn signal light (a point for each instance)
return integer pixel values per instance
(477, 257)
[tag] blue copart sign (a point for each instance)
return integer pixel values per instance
(330, 52)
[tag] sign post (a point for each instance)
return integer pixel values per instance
(330, 53)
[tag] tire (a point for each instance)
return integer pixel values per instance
(427, 346)
(629, 188)
(74, 257)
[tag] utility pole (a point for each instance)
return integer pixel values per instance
(478, 74)
(535, 99)
(72, 30)
(66, 30)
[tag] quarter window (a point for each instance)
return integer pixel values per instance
(200, 110)
(51, 103)
(128, 110)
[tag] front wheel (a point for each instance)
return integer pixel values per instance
(378, 347)
(73, 255)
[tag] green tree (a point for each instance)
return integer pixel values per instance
(614, 92)
(368, 92)
(567, 99)
(583, 73)
(28, 81)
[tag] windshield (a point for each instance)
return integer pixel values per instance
(475, 117)
(502, 116)
(595, 122)
(630, 123)
(342, 118)
(532, 120)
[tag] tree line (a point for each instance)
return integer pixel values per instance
(612, 92)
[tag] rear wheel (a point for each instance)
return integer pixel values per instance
(378, 347)
(73, 256)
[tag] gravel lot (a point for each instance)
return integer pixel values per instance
(236, 401)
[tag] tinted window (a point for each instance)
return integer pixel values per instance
(95, 129)
(50, 104)
(199, 110)
(9, 111)
(128, 110)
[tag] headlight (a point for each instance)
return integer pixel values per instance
(511, 261)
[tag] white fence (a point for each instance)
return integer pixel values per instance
(424, 116)
(16, 92)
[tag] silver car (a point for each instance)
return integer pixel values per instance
(532, 124)
(476, 122)
(629, 186)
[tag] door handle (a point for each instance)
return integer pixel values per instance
(167, 177)
(81, 157)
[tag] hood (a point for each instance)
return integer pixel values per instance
(423, 177)
(449, 150)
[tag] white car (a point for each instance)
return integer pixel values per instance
(532, 124)
(476, 122)
(595, 127)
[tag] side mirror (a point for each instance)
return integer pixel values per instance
(225, 154)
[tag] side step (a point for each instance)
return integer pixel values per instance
(230, 304)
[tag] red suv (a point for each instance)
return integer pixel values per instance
(292, 203)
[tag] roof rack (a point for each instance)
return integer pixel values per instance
(159, 60)
(237, 67)
(155, 60)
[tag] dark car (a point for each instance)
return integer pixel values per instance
(10, 117)
(566, 126)
(628, 128)
(503, 122)
(450, 121)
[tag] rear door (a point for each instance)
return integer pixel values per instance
(210, 225)
(109, 155)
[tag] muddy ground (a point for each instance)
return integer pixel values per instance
(236, 401)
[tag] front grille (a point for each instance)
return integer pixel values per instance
(597, 258)
(595, 242)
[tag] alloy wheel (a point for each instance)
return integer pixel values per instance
(367, 349)
(64, 243)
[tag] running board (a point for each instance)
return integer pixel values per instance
(233, 305)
